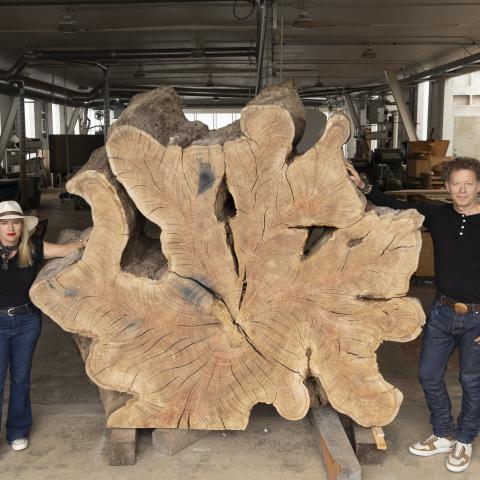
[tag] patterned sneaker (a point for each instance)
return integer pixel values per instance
(20, 444)
(432, 445)
(459, 457)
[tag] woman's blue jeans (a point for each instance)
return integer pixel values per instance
(18, 338)
(445, 329)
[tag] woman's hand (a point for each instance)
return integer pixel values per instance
(58, 250)
(354, 176)
(83, 241)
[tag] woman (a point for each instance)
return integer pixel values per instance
(20, 320)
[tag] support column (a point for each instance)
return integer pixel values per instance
(361, 141)
(39, 120)
(352, 111)
(448, 127)
(435, 108)
(106, 104)
(7, 125)
(402, 106)
(73, 120)
(21, 135)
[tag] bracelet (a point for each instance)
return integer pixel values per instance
(366, 189)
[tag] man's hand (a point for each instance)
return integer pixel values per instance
(477, 340)
(354, 176)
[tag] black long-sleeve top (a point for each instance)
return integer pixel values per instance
(456, 246)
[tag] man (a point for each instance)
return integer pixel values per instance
(454, 318)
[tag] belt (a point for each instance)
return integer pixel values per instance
(12, 311)
(459, 307)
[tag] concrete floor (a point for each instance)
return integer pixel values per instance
(69, 441)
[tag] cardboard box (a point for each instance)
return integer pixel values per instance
(420, 146)
(440, 147)
(418, 164)
(433, 147)
(437, 162)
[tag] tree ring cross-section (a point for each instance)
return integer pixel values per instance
(226, 307)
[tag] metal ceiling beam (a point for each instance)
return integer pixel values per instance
(16, 69)
(141, 54)
(22, 153)
(448, 69)
(46, 3)
(95, 57)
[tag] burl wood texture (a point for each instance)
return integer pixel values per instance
(227, 308)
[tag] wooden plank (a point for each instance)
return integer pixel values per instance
(318, 396)
(123, 446)
(170, 441)
(379, 437)
(365, 444)
(338, 455)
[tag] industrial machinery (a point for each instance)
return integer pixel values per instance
(386, 168)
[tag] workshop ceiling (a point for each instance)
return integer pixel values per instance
(325, 43)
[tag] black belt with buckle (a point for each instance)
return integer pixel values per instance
(459, 307)
(12, 311)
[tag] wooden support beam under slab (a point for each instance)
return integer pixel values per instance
(338, 455)
(170, 441)
(369, 443)
(123, 446)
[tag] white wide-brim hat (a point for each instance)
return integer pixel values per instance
(10, 210)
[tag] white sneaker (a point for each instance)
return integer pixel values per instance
(432, 446)
(20, 444)
(459, 457)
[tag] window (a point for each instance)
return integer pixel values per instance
(96, 121)
(29, 118)
(213, 120)
(56, 120)
(461, 99)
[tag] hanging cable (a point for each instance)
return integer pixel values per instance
(261, 48)
(281, 41)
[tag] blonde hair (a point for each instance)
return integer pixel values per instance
(25, 249)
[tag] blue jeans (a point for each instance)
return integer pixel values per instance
(445, 329)
(18, 338)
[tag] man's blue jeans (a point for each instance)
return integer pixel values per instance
(18, 338)
(445, 329)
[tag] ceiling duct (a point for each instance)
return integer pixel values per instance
(132, 54)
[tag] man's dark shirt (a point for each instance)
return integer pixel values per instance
(456, 245)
